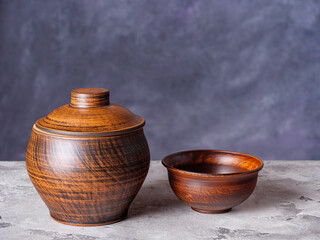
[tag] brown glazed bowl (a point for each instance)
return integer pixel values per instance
(212, 181)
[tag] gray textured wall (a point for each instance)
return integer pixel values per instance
(237, 75)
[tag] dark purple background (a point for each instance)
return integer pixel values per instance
(235, 75)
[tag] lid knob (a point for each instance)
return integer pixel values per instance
(90, 97)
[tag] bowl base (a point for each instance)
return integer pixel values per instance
(90, 224)
(211, 211)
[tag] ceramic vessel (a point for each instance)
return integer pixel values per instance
(212, 181)
(88, 159)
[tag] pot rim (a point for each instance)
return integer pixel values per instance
(87, 134)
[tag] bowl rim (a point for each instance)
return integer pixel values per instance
(211, 174)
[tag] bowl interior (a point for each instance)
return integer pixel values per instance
(212, 162)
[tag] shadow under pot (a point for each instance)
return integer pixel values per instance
(212, 181)
(88, 159)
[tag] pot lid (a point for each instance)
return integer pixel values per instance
(90, 113)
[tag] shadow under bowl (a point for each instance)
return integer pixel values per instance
(212, 181)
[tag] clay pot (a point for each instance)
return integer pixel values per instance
(212, 181)
(88, 159)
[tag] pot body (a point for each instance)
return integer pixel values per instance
(87, 180)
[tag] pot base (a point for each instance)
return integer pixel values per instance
(90, 224)
(211, 211)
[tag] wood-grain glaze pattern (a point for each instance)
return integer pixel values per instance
(88, 159)
(87, 181)
(212, 181)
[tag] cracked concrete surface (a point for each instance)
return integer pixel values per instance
(284, 205)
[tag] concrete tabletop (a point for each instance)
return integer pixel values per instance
(284, 205)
